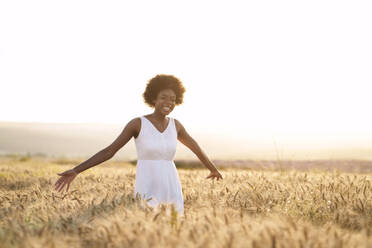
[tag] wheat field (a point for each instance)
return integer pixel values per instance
(248, 208)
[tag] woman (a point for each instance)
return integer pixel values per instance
(155, 137)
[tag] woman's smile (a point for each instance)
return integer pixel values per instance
(165, 101)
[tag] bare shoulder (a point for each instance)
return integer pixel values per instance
(134, 126)
(135, 122)
(179, 126)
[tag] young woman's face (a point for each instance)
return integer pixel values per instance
(165, 101)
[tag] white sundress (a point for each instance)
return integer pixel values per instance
(156, 174)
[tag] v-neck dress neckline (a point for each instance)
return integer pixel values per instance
(169, 120)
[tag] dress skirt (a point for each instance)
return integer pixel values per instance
(157, 181)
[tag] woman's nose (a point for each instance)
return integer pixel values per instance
(169, 101)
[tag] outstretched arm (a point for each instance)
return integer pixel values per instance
(189, 142)
(107, 153)
(129, 131)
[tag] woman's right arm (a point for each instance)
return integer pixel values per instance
(130, 130)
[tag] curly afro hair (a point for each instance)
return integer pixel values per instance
(161, 82)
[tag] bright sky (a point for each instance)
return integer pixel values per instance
(274, 69)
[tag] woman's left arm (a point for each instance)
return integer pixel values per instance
(189, 142)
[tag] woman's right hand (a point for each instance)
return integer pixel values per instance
(66, 178)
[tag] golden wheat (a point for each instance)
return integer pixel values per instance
(249, 208)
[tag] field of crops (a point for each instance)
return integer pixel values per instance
(248, 208)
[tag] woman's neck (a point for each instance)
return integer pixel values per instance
(158, 116)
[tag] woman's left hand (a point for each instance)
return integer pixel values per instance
(65, 179)
(214, 174)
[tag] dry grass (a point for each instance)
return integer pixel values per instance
(249, 208)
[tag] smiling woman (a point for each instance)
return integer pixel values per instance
(161, 82)
(156, 138)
